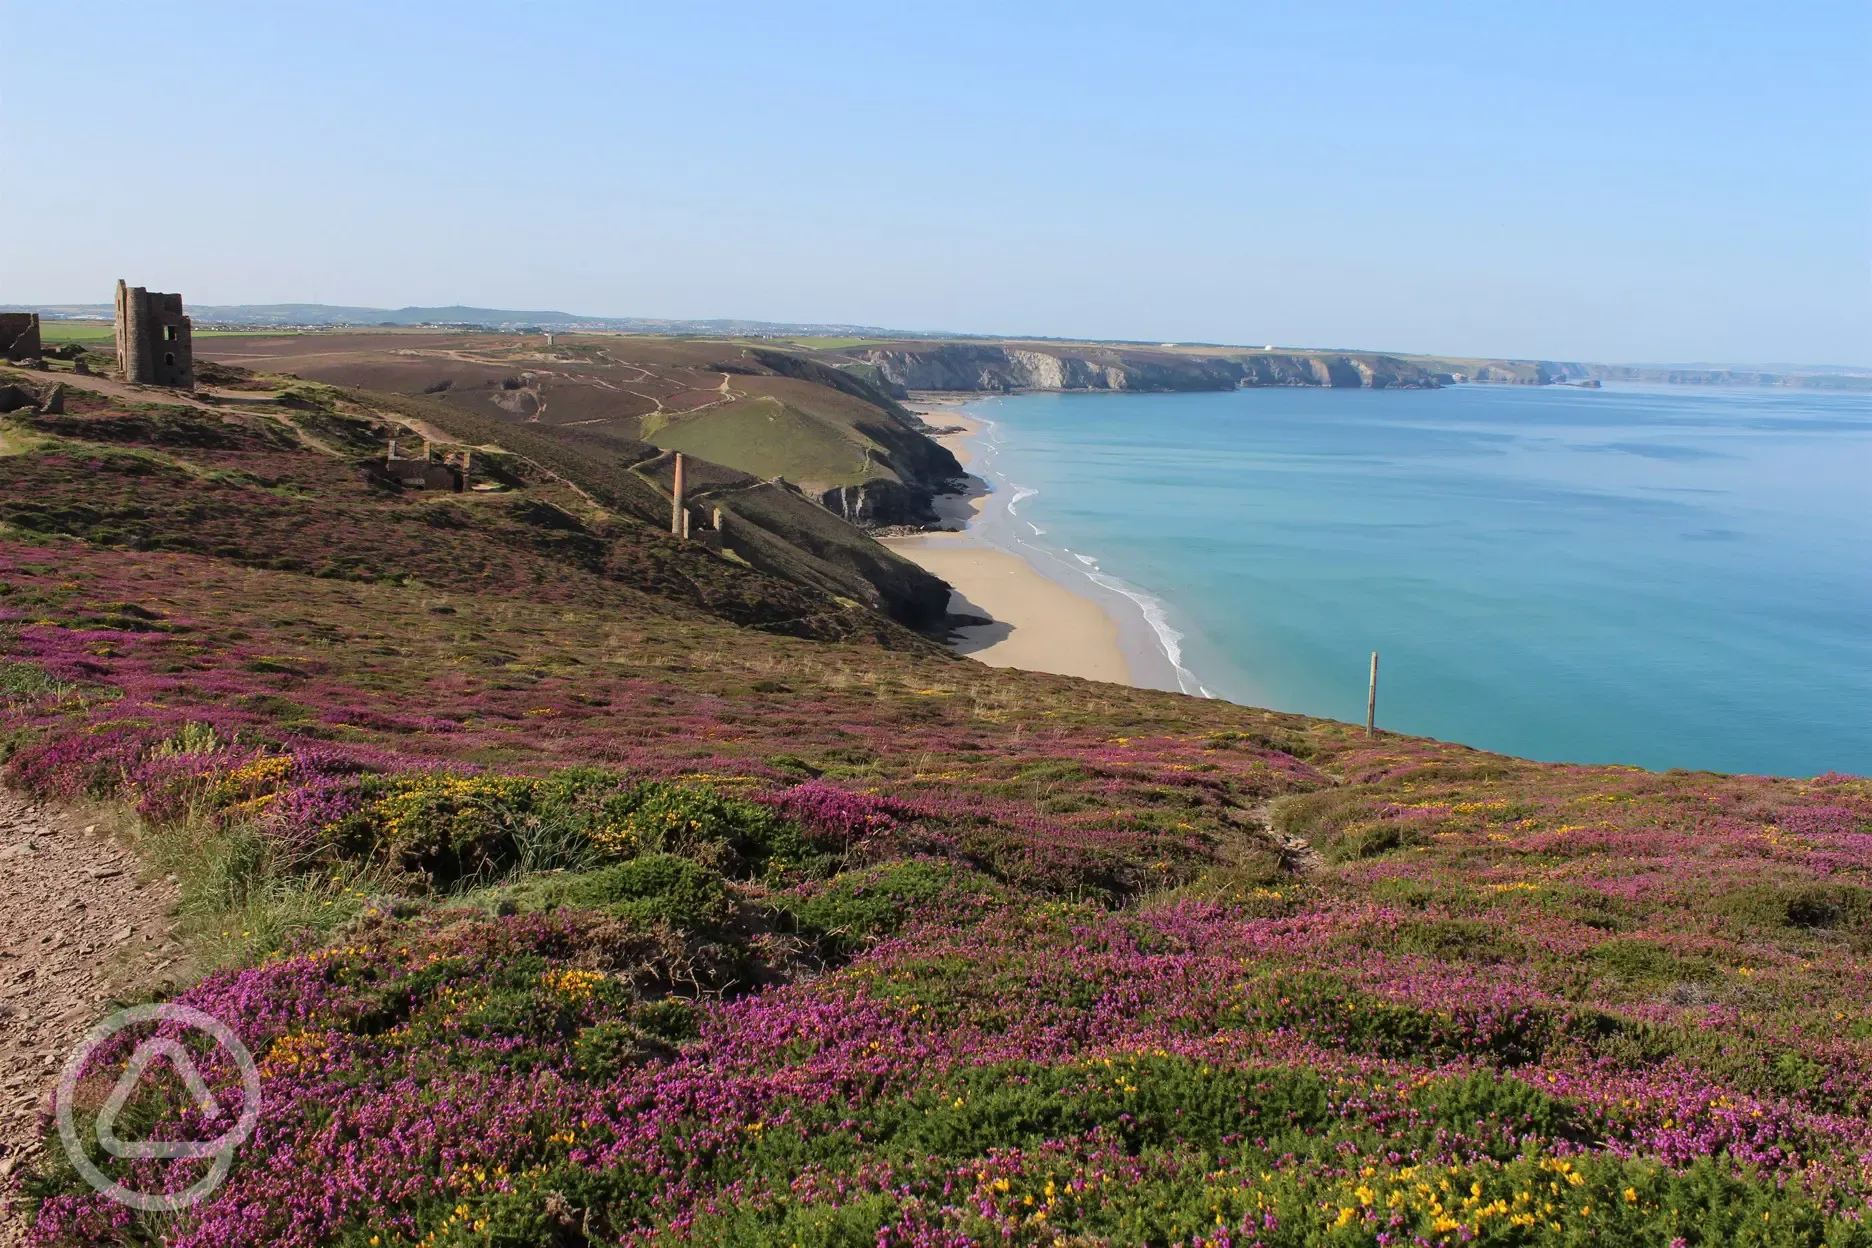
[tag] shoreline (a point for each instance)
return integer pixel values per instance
(1040, 620)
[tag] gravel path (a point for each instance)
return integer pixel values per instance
(79, 927)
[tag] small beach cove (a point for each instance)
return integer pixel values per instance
(1036, 622)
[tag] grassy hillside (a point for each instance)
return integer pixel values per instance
(573, 886)
(766, 431)
(763, 412)
(574, 421)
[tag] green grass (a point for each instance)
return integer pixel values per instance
(834, 344)
(769, 438)
(76, 331)
(240, 899)
(104, 331)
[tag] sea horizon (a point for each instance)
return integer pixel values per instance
(1652, 575)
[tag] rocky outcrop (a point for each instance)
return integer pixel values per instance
(967, 366)
(879, 503)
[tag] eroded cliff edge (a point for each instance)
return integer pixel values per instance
(1008, 366)
(901, 367)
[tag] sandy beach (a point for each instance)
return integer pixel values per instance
(1038, 624)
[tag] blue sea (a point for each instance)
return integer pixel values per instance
(1666, 577)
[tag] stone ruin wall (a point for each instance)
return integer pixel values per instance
(19, 336)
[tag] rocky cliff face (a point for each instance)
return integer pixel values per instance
(969, 366)
(879, 504)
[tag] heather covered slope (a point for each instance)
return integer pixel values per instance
(574, 909)
(297, 477)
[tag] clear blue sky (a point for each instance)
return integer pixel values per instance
(1630, 181)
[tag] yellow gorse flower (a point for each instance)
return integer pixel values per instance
(575, 986)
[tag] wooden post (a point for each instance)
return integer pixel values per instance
(676, 503)
(1371, 700)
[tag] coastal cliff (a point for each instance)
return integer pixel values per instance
(1849, 380)
(969, 366)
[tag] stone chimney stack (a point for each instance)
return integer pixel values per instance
(132, 346)
(679, 516)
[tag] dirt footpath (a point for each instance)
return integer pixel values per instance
(78, 928)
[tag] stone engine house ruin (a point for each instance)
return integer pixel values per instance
(19, 336)
(155, 343)
(420, 472)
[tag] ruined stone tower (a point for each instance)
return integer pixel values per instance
(154, 340)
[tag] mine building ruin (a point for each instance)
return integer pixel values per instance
(19, 336)
(419, 472)
(155, 342)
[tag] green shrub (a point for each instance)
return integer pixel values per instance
(1630, 1042)
(1314, 816)
(519, 1012)
(1586, 906)
(1488, 1105)
(672, 1019)
(1342, 824)
(604, 1049)
(653, 1030)
(1338, 1014)
(734, 836)
(1148, 1101)
(858, 907)
(655, 887)
(459, 830)
(1801, 906)
(1404, 891)
(446, 827)
(1294, 744)
(1456, 940)
(1369, 840)
(1642, 962)
(25, 682)
(1252, 882)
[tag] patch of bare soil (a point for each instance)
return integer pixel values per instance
(80, 926)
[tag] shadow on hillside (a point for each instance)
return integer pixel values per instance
(970, 628)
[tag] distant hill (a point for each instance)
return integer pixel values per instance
(930, 360)
(323, 314)
(1786, 376)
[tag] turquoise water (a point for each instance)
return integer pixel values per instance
(1668, 577)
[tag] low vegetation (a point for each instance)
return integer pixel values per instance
(568, 906)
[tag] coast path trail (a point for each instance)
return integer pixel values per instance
(79, 927)
(112, 388)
